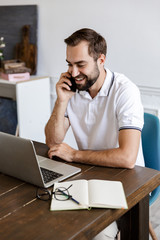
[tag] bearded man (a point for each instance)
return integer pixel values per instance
(105, 112)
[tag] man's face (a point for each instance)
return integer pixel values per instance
(82, 66)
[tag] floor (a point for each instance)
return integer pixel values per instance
(155, 217)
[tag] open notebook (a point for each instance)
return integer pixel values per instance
(88, 194)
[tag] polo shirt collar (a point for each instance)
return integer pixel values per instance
(105, 87)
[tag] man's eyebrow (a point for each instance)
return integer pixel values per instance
(79, 62)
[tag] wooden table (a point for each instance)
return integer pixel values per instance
(23, 217)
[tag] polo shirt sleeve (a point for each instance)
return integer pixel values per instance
(129, 108)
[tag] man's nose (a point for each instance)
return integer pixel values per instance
(75, 71)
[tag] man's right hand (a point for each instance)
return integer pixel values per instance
(63, 90)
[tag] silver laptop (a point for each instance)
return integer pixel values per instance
(18, 159)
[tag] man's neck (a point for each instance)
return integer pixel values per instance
(93, 91)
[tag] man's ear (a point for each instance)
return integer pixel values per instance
(101, 59)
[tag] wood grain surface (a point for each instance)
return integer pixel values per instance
(25, 217)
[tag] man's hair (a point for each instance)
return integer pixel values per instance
(97, 44)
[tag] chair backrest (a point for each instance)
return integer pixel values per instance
(151, 146)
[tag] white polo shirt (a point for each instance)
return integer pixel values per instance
(96, 122)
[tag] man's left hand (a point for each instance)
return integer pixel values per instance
(63, 151)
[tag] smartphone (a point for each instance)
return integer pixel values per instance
(73, 87)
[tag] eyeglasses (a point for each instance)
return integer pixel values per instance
(60, 194)
(43, 194)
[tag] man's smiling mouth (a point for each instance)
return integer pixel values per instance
(79, 79)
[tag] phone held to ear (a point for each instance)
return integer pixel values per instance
(73, 87)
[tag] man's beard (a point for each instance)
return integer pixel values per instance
(90, 80)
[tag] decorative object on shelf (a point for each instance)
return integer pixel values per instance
(27, 52)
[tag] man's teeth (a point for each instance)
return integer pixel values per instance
(79, 79)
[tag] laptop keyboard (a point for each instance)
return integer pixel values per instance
(49, 175)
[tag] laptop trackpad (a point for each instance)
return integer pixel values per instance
(40, 158)
(49, 164)
(59, 167)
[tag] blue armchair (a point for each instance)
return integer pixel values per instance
(151, 151)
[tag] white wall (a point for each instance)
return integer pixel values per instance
(131, 28)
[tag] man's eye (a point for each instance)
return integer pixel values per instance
(81, 66)
(69, 65)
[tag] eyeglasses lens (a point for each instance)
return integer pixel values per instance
(61, 194)
(43, 194)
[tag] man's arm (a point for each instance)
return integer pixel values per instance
(124, 156)
(58, 124)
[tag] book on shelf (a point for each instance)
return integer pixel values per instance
(14, 66)
(13, 63)
(86, 194)
(17, 70)
(15, 77)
